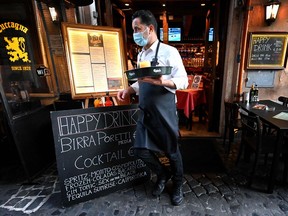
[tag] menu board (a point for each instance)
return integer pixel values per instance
(94, 151)
(96, 59)
(267, 50)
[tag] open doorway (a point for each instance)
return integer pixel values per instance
(200, 31)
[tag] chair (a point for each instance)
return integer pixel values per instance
(232, 123)
(284, 100)
(254, 141)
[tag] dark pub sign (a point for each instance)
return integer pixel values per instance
(94, 151)
(18, 50)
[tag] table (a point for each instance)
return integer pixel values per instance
(188, 100)
(280, 125)
(269, 103)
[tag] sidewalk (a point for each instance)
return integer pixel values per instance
(206, 193)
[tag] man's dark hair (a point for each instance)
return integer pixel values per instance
(146, 18)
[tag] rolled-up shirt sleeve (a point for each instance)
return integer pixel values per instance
(135, 86)
(178, 74)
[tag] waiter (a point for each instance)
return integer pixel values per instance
(157, 128)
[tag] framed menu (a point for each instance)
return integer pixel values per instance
(96, 59)
(196, 81)
(267, 50)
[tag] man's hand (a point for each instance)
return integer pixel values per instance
(124, 94)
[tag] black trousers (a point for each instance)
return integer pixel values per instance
(153, 162)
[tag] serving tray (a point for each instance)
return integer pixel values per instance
(148, 71)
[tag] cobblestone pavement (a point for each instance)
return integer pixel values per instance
(221, 193)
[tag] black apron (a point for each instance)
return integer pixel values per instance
(157, 126)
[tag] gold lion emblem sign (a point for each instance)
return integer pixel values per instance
(16, 49)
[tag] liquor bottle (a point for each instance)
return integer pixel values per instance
(256, 91)
(252, 93)
(98, 102)
(108, 102)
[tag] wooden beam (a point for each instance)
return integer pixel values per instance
(165, 28)
(108, 13)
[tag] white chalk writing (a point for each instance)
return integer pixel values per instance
(82, 123)
(71, 144)
(86, 184)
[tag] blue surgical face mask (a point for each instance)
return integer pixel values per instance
(139, 38)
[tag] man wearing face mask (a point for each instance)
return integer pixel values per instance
(157, 127)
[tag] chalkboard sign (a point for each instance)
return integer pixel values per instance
(94, 151)
(267, 50)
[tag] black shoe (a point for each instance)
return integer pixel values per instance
(177, 195)
(160, 185)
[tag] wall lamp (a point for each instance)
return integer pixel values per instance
(271, 11)
(53, 14)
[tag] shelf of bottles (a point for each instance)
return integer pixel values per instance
(192, 55)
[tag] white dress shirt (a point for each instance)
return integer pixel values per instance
(167, 56)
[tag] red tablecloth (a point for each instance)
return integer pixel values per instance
(189, 99)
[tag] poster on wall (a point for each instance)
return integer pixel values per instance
(267, 50)
(96, 59)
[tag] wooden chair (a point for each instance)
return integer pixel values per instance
(256, 143)
(232, 123)
(284, 100)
